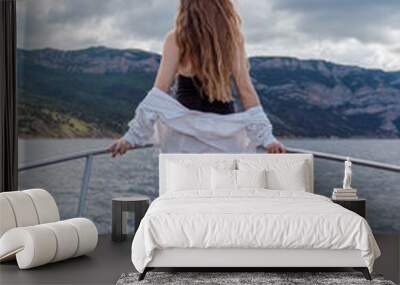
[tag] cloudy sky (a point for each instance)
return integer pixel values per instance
(357, 32)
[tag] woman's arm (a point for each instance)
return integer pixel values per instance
(169, 64)
(165, 77)
(247, 92)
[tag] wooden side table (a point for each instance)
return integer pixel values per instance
(120, 208)
(358, 206)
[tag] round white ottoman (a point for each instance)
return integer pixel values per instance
(37, 245)
(30, 230)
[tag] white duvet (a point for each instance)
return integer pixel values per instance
(250, 219)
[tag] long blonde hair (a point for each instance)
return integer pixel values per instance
(208, 36)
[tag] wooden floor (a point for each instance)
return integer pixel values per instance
(110, 260)
(103, 266)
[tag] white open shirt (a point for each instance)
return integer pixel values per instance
(164, 122)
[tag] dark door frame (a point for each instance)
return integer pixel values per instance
(8, 98)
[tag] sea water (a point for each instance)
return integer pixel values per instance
(137, 172)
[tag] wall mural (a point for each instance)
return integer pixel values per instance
(84, 66)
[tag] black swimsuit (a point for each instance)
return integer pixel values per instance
(188, 94)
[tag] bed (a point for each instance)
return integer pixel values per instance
(246, 211)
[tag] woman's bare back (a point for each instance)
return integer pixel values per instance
(169, 68)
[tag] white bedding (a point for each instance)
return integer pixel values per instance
(253, 218)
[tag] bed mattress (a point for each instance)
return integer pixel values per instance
(250, 219)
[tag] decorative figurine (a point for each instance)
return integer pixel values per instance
(347, 174)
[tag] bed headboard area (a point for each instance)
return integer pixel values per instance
(289, 170)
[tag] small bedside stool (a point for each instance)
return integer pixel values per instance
(120, 208)
(358, 206)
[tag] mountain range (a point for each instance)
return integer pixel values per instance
(94, 92)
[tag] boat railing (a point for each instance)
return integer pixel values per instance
(89, 155)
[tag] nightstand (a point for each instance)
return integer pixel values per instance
(358, 206)
(120, 208)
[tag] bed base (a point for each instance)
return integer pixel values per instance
(363, 270)
(241, 259)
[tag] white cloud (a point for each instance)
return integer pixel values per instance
(356, 32)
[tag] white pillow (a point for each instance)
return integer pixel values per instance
(251, 178)
(290, 175)
(230, 180)
(290, 179)
(223, 179)
(188, 174)
(184, 178)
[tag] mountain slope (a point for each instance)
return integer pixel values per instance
(318, 98)
(97, 86)
(94, 92)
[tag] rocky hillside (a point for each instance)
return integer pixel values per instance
(317, 98)
(98, 87)
(94, 92)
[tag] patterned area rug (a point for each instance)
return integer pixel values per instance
(243, 278)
